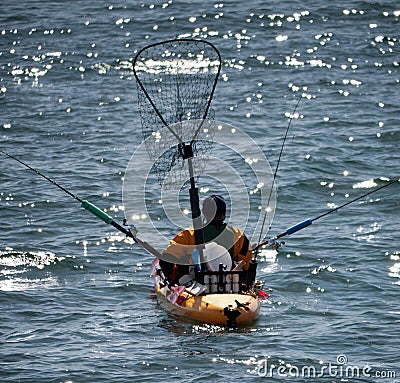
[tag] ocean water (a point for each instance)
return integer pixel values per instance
(76, 298)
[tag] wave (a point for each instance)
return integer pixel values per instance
(40, 259)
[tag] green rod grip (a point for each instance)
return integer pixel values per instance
(96, 211)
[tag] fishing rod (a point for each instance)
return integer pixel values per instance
(301, 225)
(90, 207)
(277, 167)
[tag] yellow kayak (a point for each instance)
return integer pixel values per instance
(226, 309)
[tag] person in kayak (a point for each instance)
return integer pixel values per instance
(177, 257)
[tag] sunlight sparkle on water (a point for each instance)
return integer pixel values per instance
(39, 259)
(365, 184)
(281, 38)
(24, 284)
(394, 272)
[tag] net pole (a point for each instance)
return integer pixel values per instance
(196, 213)
(194, 203)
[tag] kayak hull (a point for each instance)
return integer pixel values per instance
(227, 309)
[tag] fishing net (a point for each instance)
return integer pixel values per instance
(176, 82)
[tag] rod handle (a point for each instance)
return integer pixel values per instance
(293, 229)
(96, 211)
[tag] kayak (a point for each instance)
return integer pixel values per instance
(224, 309)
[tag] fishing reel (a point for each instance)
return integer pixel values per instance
(274, 243)
(132, 228)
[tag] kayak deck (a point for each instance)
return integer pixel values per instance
(226, 309)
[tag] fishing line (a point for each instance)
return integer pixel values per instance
(309, 221)
(354, 200)
(276, 169)
(42, 175)
(90, 207)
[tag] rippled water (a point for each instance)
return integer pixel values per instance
(76, 296)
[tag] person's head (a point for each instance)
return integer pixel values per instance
(214, 208)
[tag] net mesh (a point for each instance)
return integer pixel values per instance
(176, 81)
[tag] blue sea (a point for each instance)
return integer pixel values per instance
(76, 296)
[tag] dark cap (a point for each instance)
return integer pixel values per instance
(214, 208)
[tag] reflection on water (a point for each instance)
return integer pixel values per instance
(23, 284)
(15, 265)
(394, 270)
(39, 259)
